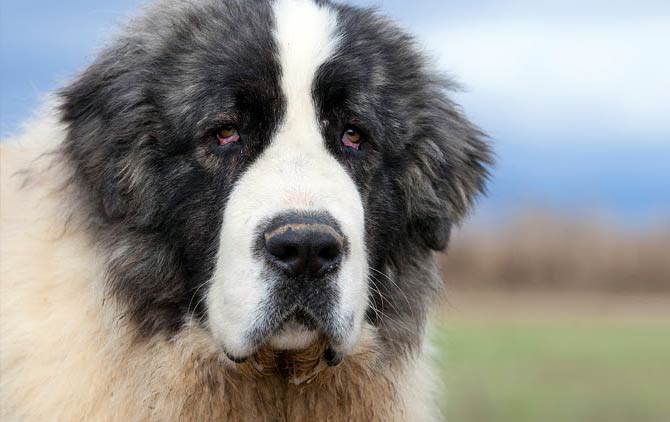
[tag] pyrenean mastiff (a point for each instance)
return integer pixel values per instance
(231, 215)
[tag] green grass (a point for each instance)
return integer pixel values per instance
(568, 371)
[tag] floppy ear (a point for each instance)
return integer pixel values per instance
(108, 113)
(447, 171)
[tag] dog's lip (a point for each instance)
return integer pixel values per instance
(300, 317)
(333, 357)
(235, 359)
(292, 326)
(297, 318)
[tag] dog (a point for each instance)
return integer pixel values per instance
(233, 214)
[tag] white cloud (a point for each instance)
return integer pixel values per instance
(565, 76)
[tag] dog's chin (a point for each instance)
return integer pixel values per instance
(293, 336)
(299, 330)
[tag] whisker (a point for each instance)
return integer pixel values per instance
(409, 305)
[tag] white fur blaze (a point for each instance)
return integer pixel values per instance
(296, 172)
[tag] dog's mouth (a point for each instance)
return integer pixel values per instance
(299, 332)
(301, 317)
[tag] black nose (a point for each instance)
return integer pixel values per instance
(304, 246)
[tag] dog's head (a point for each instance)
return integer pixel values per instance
(254, 166)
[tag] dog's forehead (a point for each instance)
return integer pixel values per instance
(306, 36)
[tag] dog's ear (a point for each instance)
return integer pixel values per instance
(108, 113)
(448, 168)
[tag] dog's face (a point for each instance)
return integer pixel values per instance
(255, 166)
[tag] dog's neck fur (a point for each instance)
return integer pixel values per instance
(66, 355)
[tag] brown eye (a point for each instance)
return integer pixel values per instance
(227, 132)
(353, 136)
(227, 135)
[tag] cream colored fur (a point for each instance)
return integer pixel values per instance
(66, 356)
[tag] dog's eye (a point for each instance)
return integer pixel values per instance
(227, 135)
(352, 137)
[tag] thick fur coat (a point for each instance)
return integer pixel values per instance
(136, 281)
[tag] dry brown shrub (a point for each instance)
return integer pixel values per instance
(538, 250)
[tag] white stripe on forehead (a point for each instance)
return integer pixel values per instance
(295, 172)
(307, 37)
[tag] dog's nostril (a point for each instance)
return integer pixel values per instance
(304, 247)
(282, 250)
(329, 252)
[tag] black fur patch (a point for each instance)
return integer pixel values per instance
(142, 122)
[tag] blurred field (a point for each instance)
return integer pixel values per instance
(531, 358)
(556, 319)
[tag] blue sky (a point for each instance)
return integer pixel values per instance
(575, 95)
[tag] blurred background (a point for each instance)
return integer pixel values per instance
(558, 287)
